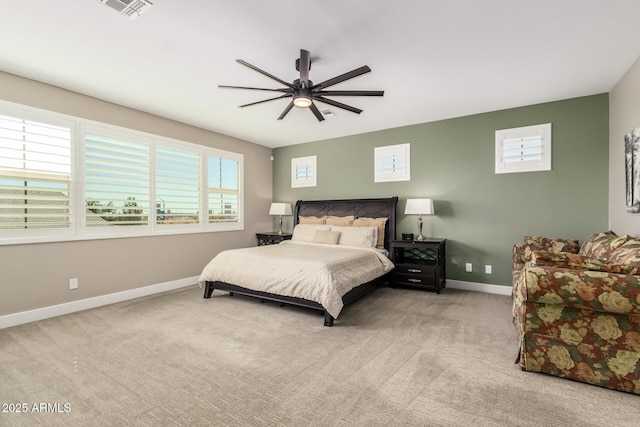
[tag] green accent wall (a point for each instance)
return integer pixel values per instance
(453, 162)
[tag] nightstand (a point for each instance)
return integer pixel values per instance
(272, 238)
(419, 263)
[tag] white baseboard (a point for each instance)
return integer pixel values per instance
(85, 304)
(71, 307)
(479, 287)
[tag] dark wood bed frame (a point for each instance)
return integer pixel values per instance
(360, 208)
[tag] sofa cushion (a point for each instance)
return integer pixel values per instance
(602, 245)
(628, 254)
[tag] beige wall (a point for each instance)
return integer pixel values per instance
(37, 275)
(624, 116)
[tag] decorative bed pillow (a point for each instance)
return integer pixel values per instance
(326, 237)
(357, 236)
(340, 220)
(305, 232)
(379, 223)
(312, 219)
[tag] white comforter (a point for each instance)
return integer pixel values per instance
(316, 272)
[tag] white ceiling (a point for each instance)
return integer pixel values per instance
(434, 59)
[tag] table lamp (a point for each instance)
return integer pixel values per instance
(280, 209)
(419, 207)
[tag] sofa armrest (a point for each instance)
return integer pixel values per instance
(577, 262)
(587, 289)
(518, 256)
(523, 251)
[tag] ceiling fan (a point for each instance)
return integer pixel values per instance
(303, 92)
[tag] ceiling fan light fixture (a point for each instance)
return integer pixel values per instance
(302, 101)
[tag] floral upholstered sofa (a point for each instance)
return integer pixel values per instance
(577, 308)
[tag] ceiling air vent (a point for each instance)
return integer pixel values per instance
(129, 8)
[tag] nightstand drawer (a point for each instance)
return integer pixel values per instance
(416, 270)
(403, 279)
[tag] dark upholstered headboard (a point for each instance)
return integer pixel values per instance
(360, 208)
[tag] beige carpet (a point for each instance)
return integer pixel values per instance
(395, 358)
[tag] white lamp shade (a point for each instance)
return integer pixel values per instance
(280, 209)
(419, 207)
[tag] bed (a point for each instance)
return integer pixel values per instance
(277, 271)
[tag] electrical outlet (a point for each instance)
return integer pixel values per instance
(73, 283)
(468, 267)
(487, 269)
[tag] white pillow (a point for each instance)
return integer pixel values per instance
(305, 232)
(357, 236)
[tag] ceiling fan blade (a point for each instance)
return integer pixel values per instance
(287, 90)
(338, 104)
(286, 111)
(339, 79)
(349, 93)
(304, 65)
(271, 76)
(316, 112)
(287, 95)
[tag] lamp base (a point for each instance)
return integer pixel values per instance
(420, 236)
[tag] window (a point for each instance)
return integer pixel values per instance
(523, 149)
(177, 186)
(116, 180)
(63, 178)
(392, 163)
(303, 172)
(224, 190)
(35, 174)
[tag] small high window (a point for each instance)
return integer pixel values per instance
(392, 163)
(303, 172)
(523, 149)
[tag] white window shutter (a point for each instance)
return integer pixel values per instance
(116, 180)
(303, 172)
(35, 174)
(64, 178)
(392, 163)
(223, 190)
(177, 186)
(523, 149)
